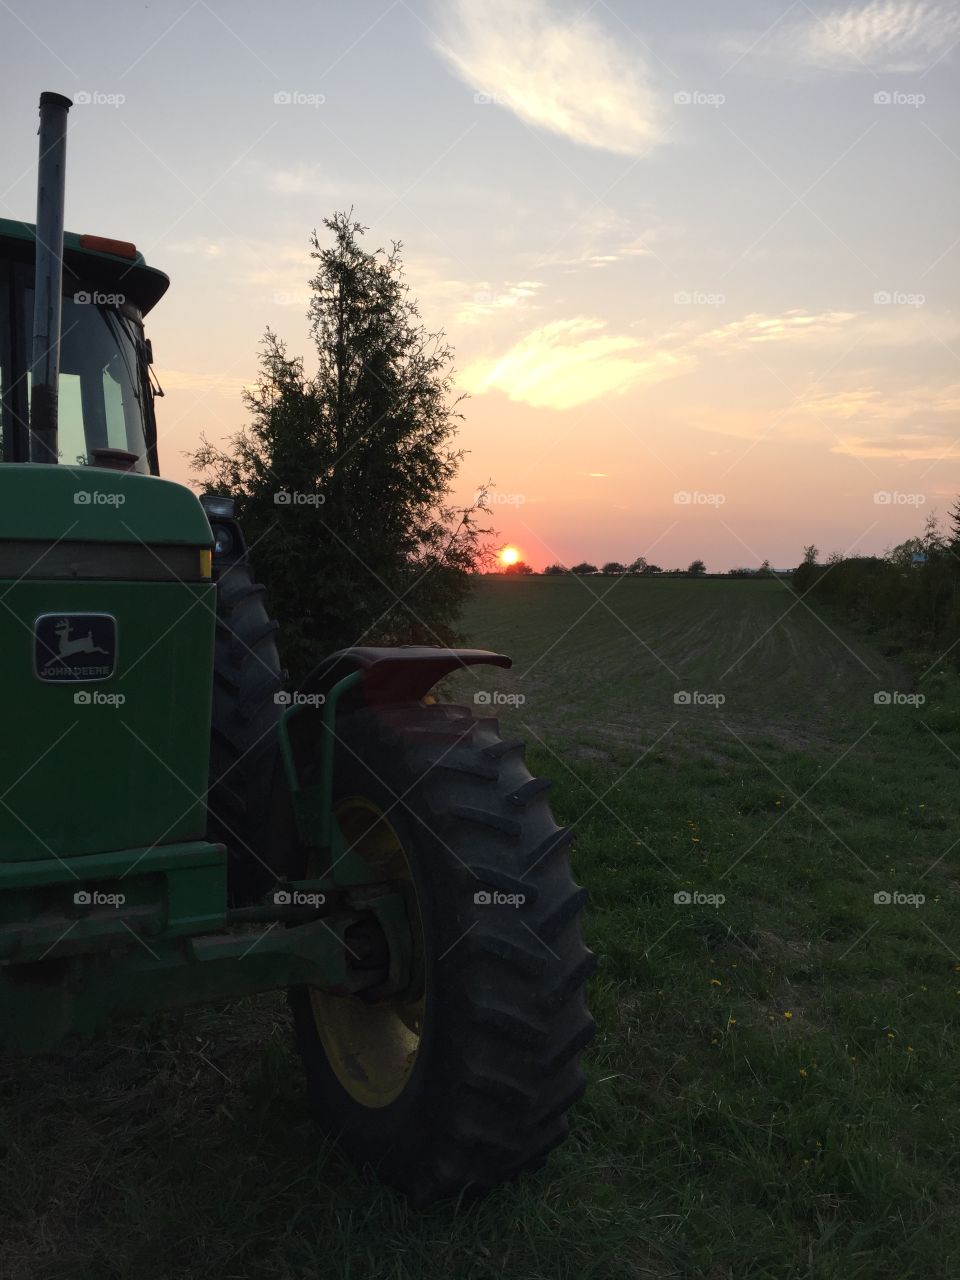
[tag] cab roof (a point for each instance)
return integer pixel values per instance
(143, 285)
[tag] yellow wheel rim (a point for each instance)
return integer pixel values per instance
(372, 1047)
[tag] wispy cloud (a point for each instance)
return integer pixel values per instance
(597, 236)
(599, 256)
(884, 35)
(570, 362)
(489, 300)
(790, 326)
(562, 73)
(910, 423)
(880, 327)
(911, 445)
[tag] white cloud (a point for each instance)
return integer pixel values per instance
(884, 35)
(880, 327)
(566, 363)
(906, 422)
(488, 300)
(790, 326)
(570, 362)
(870, 403)
(565, 74)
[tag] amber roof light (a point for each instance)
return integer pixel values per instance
(120, 248)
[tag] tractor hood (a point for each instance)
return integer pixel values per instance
(107, 635)
(64, 504)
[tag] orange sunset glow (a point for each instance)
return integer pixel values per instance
(728, 359)
(509, 555)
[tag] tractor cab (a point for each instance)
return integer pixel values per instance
(105, 387)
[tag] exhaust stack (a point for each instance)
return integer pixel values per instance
(48, 282)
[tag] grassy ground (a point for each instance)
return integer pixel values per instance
(774, 1082)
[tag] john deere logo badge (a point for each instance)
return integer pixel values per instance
(70, 648)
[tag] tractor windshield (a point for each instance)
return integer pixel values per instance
(105, 397)
(101, 383)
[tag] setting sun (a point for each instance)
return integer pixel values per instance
(509, 555)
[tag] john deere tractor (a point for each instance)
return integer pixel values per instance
(177, 827)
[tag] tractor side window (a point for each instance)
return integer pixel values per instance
(6, 360)
(73, 449)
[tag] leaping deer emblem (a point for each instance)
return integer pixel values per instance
(68, 647)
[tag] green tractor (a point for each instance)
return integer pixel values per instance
(175, 827)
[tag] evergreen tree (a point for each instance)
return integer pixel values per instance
(343, 479)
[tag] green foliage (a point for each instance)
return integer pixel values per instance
(343, 478)
(920, 602)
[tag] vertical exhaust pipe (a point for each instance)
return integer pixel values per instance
(48, 281)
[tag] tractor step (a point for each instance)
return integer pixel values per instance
(55, 908)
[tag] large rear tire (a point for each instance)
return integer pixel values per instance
(244, 755)
(467, 1082)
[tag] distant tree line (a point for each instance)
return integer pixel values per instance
(639, 568)
(912, 591)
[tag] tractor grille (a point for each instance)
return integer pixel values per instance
(102, 562)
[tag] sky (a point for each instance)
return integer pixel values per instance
(699, 263)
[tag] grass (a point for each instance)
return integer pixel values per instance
(773, 1085)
